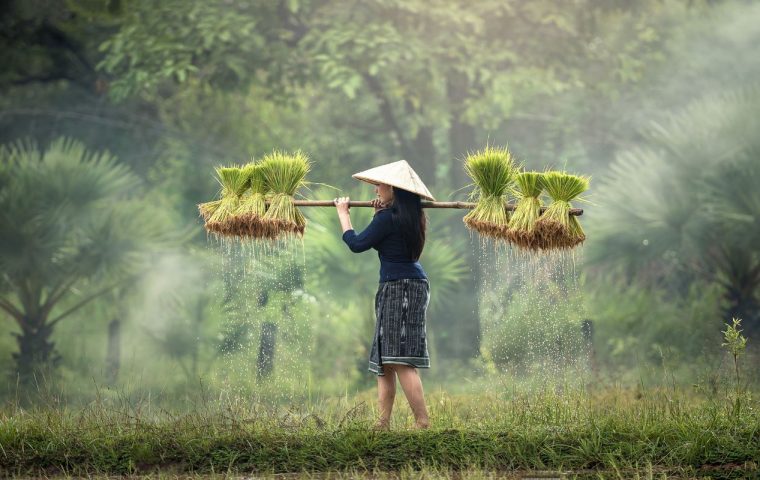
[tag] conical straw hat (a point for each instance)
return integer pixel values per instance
(398, 174)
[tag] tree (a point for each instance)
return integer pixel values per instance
(73, 230)
(49, 42)
(441, 75)
(683, 207)
(425, 81)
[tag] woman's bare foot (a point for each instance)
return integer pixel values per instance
(422, 424)
(382, 425)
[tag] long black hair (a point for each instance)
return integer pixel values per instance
(410, 219)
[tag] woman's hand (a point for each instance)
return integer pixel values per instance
(341, 204)
(378, 204)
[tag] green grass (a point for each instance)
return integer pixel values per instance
(615, 433)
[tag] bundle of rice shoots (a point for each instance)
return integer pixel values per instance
(207, 209)
(252, 206)
(556, 228)
(234, 182)
(493, 170)
(283, 174)
(522, 225)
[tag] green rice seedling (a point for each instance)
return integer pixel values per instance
(283, 174)
(207, 209)
(252, 206)
(556, 228)
(522, 231)
(493, 171)
(234, 182)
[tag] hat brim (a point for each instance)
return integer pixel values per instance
(397, 174)
(376, 182)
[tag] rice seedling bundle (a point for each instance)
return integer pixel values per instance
(493, 171)
(250, 211)
(522, 225)
(207, 209)
(234, 182)
(556, 228)
(283, 174)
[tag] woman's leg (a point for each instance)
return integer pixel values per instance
(412, 385)
(386, 393)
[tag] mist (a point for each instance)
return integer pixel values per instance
(591, 89)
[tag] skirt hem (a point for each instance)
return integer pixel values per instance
(416, 362)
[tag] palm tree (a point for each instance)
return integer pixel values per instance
(72, 231)
(685, 205)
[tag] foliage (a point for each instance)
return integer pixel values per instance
(216, 40)
(53, 41)
(72, 232)
(532, 324)
(178, 86)
(735, 343)
(316, 336)
(206, 137)
(450, 60)
(637, 329)
(687, 200)
(608, 433)
(175, 314)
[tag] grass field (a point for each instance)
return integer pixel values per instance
(614, 433)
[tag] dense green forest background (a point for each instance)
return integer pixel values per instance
(113, 114)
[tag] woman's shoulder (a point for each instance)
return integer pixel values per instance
(384, 213)
(383, 219)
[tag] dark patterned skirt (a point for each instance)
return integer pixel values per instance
(400, 334)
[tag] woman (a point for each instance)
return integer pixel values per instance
(397, 232)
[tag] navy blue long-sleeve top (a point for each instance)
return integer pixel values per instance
(382, 235)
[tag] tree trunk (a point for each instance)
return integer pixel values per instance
(35, 349)
(419, 151)
(587, 331)
(267, 344)
(462, 136)
(462, 139)
(113, 354)
(425, 155)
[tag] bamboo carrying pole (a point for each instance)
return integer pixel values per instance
(425, 204)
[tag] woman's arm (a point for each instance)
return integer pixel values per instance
(341, 204)
(371, 236)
